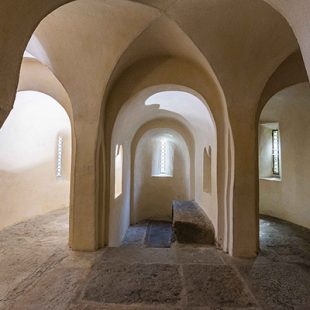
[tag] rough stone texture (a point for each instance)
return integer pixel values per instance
(39, 271)
(191, 224)
(279, 277)
(137, 283)
(215, 286)
(159, 234)
(279, 285)
(150, 234)
(135, 235)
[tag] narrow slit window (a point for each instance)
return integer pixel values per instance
(59, 157)
(163, 154)
(118, 186)
(163, 157)
(275, 152)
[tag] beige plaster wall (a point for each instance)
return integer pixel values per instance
(28, 153)
(154, 75)
(121, 211)
(288, 198)
(243, 54)
(187, 113)
(153, 195)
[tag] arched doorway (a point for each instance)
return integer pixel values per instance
(283, 155)
(162, 108)
(35, 158)
(161, 174)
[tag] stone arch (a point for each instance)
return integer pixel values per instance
(286, 112)
(162, 71)
(36, 162)
(290, 72)
(34, 76)
(19, 43)
(295, 15)
(169, 123)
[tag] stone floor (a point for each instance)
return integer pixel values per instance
(149, 234)
(38, 271)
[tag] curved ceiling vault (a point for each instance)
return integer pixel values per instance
(233, 35)
(164, 102)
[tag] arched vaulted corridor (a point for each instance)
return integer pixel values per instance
(186, 116)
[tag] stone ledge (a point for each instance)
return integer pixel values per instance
(191, 224)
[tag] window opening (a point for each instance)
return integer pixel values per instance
(163, 157)
(275, 152)
(118, 188)
(59, 157)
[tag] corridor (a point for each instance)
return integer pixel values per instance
(39, 271)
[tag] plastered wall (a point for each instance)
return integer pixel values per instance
(189, 116)
(28, 150)
(243, 55)
(153, 195)
(288, 198)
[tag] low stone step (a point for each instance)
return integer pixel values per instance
(191, 224)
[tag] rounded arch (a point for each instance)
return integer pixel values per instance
(295, 14)
(18, 43)
(162, 123)
(283, 158)
(34, 76)
(38, 77)
(35, 143)
(163, 73)
(149, 181)
(290, 72)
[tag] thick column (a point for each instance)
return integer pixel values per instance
(83, 215)
(245, 194)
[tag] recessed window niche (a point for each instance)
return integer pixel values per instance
(269, 151)
(118, 188)
(207, 170)
(163, 153)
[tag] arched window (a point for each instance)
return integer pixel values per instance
(118, 171)
(207, 170)
(269, 151)
(163, 158)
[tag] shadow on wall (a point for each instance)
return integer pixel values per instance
(30, 156)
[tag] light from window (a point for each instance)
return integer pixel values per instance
(59, 157)
(118, 171)
(163, 157)
(207, 170)
(275, 152)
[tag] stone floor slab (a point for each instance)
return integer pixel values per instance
(55, 290)
(39, 271)
(215, 286)
(135, 235)
(158, 235)
(132, 284)
(208, 256)
(279, 286)
(136, 255)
